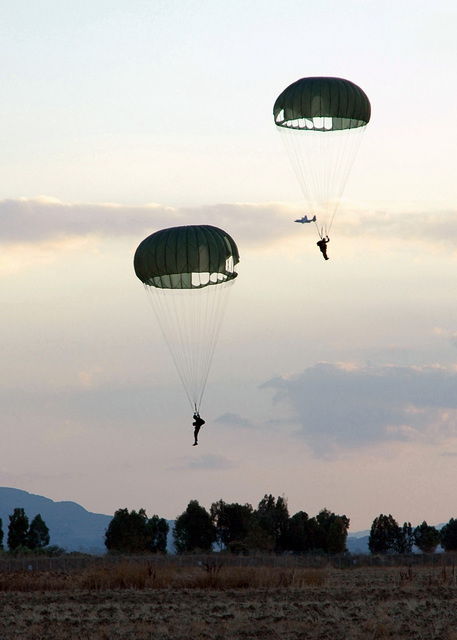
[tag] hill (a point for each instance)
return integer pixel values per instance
(70, 526)
(358, 542)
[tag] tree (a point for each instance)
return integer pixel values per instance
(126, 532)
(38, 534)
(1, 534)
(332, 532)
(133, 532)
(383, 534)
(426, 537)
(232, 522)
(404, 540)
(273, 517)
(194, 529)
(337, 534)
(258, 538)
(157, 534)
(18, 529)
(302, 533)
(449, 535)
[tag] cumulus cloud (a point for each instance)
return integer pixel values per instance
(42, 219)
(340, 406)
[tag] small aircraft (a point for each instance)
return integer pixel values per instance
(306, 219)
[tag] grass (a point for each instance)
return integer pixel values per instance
(215, 601)
(213, 574)
(136, 575)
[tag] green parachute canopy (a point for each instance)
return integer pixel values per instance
(188, 257)
(321, 121)
(177, 267)
(322, 104)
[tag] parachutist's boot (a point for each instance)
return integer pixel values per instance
(195, 444)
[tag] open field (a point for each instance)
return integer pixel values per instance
(139, 601)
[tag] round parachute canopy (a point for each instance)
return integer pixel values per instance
(322, 104)
(188, 257)
(321, 121)
(188, 272)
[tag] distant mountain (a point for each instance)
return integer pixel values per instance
(355, 544)
(70, 525)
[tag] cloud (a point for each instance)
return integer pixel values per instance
(31, 479)
(341, 406)
(44, 219)
(235, 420)
(62, 409)
(449, 336)
(213, 462)
(438, 228)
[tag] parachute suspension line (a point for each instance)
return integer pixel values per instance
(215, 310)
(164, 307)
(319, 231)
(322, 161)
(301, 166)
(190, 321)
(343, 161)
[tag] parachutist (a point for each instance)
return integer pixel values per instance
(306, 219)
(322, 244)
(198, 423)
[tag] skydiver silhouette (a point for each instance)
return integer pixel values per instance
(306, 219)
(198, 423)
(322, 244)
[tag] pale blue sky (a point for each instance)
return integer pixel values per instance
(333, 383)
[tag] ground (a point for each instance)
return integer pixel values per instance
(367, 603)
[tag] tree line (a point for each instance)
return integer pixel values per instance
(236, 528)
(25, 536)
(387, 536)
(241, 529)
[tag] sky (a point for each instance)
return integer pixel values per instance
(333, 383)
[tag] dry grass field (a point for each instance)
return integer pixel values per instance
(140, 601)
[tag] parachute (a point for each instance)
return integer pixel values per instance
(188, 272)
(322, 121)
